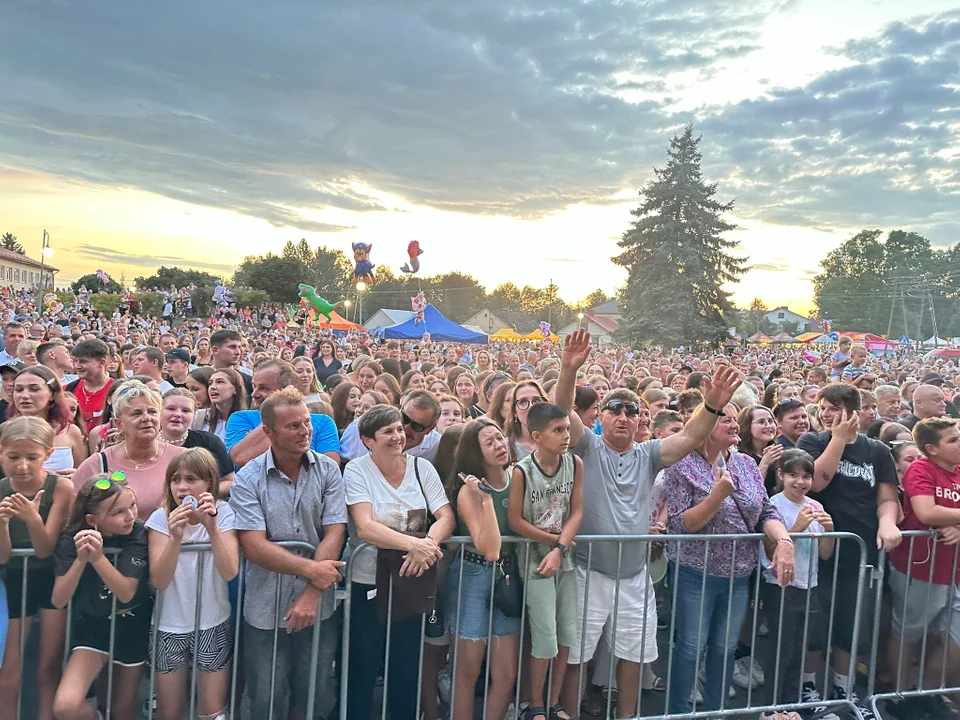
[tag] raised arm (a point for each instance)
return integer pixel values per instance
(718, 393)
(575, 352)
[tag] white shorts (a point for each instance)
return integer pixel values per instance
(636, 619)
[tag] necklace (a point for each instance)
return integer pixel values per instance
(155, 455)
(179, 441)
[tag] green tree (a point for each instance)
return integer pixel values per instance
(163, 278)
(9, 241)
(862, 279)
(94, 284)
(327, 270)
(677, 258)
(597, 297)
(756, 316)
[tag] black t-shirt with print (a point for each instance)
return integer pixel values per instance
(851, 497)
(92, 596)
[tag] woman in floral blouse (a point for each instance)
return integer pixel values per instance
(715, 491)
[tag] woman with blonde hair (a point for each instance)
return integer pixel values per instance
(141, 454)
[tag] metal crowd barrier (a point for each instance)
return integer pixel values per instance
(900, 685)
(648, 703)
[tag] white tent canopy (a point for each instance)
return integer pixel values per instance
(935, 341)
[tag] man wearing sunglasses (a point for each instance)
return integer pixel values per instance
(419, 411)
(618, 476)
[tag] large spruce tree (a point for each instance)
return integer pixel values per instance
(677, 257)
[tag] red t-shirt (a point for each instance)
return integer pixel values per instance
(91, 404)
(925, 477)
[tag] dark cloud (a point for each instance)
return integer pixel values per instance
(110, 255)
(284, 109)
(871, 144)
(281, 108)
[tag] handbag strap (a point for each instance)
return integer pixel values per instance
(103, 463)
(426, 502)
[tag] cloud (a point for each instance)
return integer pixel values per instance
(275, 110)
(304, 113)
(871, 144)
(110, 255)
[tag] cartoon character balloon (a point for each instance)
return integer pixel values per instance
(545, 330)
(363, 269)
(308, 295)
(222, 295)
(49, 298)
(414, 252)
(419, 305)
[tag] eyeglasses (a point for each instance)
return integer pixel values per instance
(763, 422)
(630, 408)
(524, 403)
(415, 426)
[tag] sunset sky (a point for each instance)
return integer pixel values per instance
(510, 138)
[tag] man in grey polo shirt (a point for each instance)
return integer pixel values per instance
(289, 493)
(618, 475)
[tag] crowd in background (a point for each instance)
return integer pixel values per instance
(138, 436)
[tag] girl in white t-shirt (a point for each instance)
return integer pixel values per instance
(191, 514)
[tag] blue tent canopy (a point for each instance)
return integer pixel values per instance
(439, 327)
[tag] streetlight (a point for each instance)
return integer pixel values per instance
(346, 305)
(579, 320)
(361, 289)
(45, 252)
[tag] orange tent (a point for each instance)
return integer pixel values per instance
(337, 322)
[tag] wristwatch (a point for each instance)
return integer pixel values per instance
(561, 547)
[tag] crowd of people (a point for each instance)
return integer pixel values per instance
(124, 440)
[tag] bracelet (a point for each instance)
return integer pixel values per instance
(785, 540)
(712, 411)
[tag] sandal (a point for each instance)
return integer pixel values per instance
(532, 712)
(555, 713)
(592, 705)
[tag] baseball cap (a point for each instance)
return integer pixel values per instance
(179, 354)
(932, 379)
(13, 366)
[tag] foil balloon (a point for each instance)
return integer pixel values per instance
(545, 330)
(49, 298)
(308, 295)
(363, 268)
(419, 305)
(413, 252)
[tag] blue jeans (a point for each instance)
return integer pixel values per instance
(703, 612)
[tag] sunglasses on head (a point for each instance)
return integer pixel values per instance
(630, 408)
(415, 426)
(116, 476)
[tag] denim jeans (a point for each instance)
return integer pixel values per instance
(292, 664)
(710, 614)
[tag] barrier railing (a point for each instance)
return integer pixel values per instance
(617, 584)
(917, 669)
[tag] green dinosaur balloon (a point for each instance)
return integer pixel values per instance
(309, 293)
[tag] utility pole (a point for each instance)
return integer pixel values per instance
(920, 324)
(933, 318)
(893, 304)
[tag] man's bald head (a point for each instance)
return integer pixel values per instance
(928, 402)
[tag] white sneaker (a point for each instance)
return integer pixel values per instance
(702, 680)
(513, 713)
(444, 683)
(747, 673)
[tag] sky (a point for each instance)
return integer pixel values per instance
(511, 138)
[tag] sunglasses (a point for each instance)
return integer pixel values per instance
(415, 426)
(117, 476)
(898, 443)
(630, 408)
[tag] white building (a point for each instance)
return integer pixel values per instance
(21, 272)
(487, 320)
(780, 315)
